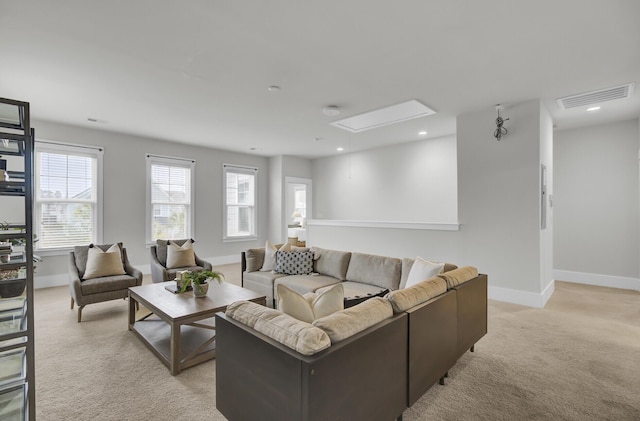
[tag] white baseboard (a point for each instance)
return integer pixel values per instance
(60, 279)
(610, 281)
(525, 298)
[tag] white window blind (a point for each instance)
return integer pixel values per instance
(240, 213)
(68, 196)
(170, 198)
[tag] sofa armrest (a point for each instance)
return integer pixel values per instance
(158, 272)
(74, 279)
(130, 269)
(203, 263)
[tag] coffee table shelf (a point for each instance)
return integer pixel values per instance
(180, 329)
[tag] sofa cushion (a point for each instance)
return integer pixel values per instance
(179, 256)
(459, 276)
(376, 270)
(407, 264)
(304, 283)
(332, 263)
(294, 262)
(423, 270)
(81, 253)
(107, 284)
(310, 306)
(295, 334)
(104, 262)
(161, 249)
(346, 323)
(265, 278)
(403, 299)
(254, 259)
(356, 292)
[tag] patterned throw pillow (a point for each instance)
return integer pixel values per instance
(294, 262)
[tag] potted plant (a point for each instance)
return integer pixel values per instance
(200, 281)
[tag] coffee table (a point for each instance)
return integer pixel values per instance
(177, 330)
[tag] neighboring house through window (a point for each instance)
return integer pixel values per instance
(169, 198)
(240, 214)
(68, 195)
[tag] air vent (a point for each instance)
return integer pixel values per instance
(384, 116)
(595, 97)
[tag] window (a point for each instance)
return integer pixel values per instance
(240, 202)
(68, 195)
(169, 198)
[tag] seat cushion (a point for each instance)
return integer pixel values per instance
(356, 292)
(376, 270)
(262, 278)
(107, 284)
(305, 283)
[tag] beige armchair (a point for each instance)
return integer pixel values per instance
(159, 270)
(102, 288)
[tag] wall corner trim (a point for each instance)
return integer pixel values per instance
(610, 281)
(525, 298)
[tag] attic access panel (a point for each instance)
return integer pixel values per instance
(384, 116)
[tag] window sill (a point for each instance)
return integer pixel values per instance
(53, 252)
(239, 239)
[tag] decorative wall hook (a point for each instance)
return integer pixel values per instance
(500, 131)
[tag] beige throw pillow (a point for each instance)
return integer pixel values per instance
(180, 256)
(310, 306)
(423, 270)
(104, 263)
(270, 250)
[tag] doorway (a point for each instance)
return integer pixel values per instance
(297, 209)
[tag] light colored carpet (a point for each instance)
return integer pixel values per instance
(577, 359)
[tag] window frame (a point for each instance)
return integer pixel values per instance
(49, 146)
(239, 169)
(175, 162)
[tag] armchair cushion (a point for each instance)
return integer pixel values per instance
(107, 284)
(81, 254)
(179, 256)
(161, 249)
(104, 263)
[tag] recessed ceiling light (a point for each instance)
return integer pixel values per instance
(339, 149)
(253, 149)
(317, 139)
(331, 110)
(596, 108)
(274, 88)
(423, 133)
(96, 120)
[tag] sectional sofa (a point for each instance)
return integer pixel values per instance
(411, 340)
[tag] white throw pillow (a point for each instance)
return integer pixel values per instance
(310, 306)
(180, 256)
(103, 263)
(270, 250)
(423, 270)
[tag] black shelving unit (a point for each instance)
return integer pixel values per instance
(17, 375)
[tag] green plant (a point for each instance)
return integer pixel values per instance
(199, 278)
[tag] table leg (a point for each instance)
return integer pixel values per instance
(175, 349)
(132, 312)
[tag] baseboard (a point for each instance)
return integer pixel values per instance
(525, 298)
(610, 281)
(60, 279)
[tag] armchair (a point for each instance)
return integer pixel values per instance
(89, 290)
(159, 270)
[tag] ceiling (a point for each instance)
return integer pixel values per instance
(197, 71)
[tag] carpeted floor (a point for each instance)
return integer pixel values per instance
(577, 359)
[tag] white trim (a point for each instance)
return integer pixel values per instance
(223, 260)
(239, 169)
(548, 292)
(385, 224)
(610, 281)
(525, 298)
(49, 281)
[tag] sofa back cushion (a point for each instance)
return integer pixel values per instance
(161, 249)
(459, 276)
(332, 263)
(381, 271)
(403, 299)
(104, 262)
(407, 264)
(180, 256)
(295, 334)
(254, 259)
(346, 323)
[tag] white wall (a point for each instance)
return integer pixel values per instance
(499, 200)
(596, 204)
(411, 182)
(124, 194)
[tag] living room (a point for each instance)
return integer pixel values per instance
(456, 194)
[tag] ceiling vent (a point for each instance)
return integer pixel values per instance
(595, 97)
(384, 116)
